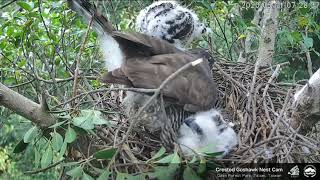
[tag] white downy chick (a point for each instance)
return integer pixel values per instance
(170, 21)
(206, 130)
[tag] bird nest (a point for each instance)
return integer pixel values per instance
(258, 106)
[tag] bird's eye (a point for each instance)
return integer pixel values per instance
(189, 120)
(196, 128)
(193, 125)
(217, 119)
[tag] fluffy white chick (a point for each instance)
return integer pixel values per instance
(206, 130)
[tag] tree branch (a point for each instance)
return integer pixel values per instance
(44, 169)
(77, 62)
(306, 104)
(268, 33)
(25, 107)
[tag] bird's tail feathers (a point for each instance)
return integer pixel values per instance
(88, 11)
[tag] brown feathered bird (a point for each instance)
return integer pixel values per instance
(145, 62)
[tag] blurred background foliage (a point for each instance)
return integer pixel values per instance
(39, 44)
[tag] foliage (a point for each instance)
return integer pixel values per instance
(39, 44)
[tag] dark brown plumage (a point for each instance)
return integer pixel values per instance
(149, 61)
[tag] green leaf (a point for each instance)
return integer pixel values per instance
(164, 172)
(296, 36)
(105, 154)
(56, 141)
(194, 159)
(71, 135)
(20, 147)
(100, 121)
(166, 159)
(303, 21)
(190, 174)
(214, 154)
(104, 175)
(75, 172)
(87, 177)
(308, 42)
(126, 176)
(31, 134)
(158, 154)
(242, 36)
(88, 118)
(26, 5)
(202, 166)
(46, 158)
(63, 149)
(10, 31)
(121, 176)
(210, 165)
(96, 116)
(83, 123)
(135, 177)
(176, 158)
(22, 63)
(36, 158)
(9, 80)
(172, 158)
(208, 149)
(57, 124)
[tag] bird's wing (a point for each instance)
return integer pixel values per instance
(116, 76)
(135, 44)
(193, 86)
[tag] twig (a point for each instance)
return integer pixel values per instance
(22, 84)
(57, 80)
(281, 114)
(224, 35)
(8, 4)
(140, 90)
(273, 76)
(229, 77)
(76, 72)
(44, 169)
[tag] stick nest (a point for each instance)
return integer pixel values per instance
(258, 106)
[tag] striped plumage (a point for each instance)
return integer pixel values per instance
(175, 116)
(153, 118)
(170, 21)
